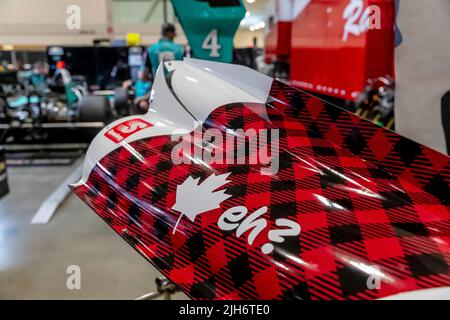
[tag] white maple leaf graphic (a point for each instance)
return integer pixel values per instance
(193, 198)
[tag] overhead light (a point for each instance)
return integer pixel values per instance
(251, 1)
(258, 26)
(245, 20)
(8, 47)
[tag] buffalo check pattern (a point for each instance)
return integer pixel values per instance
(368, 201)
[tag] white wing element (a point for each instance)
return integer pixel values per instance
(194, 198)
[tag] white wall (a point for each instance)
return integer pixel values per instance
(33, 22)
(244, 38)
(43, 22)
(422, 70)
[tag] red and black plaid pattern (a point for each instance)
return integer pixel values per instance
(357, 218)
(401, 157)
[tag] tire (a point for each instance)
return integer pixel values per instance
(94, 109)
(121, 103)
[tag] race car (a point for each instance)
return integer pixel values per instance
(237, 186)
(61, 109)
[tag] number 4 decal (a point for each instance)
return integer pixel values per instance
(211, 42)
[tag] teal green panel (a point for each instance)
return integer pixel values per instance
(210, 26)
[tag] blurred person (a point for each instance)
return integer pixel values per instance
(143, 84)
(39, 75)
(142, 88)
(4, 66)
(165, 49)
(63, 75)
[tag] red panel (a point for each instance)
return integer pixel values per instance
(278, 42)
(323, 61)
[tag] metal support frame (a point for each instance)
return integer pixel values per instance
(164, 289)
(445, 113)
(53, 125)
(51, 146)
(152, 10)
(165, 18)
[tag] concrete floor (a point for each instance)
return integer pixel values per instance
(34, 258)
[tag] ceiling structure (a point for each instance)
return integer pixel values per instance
(256, 16)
